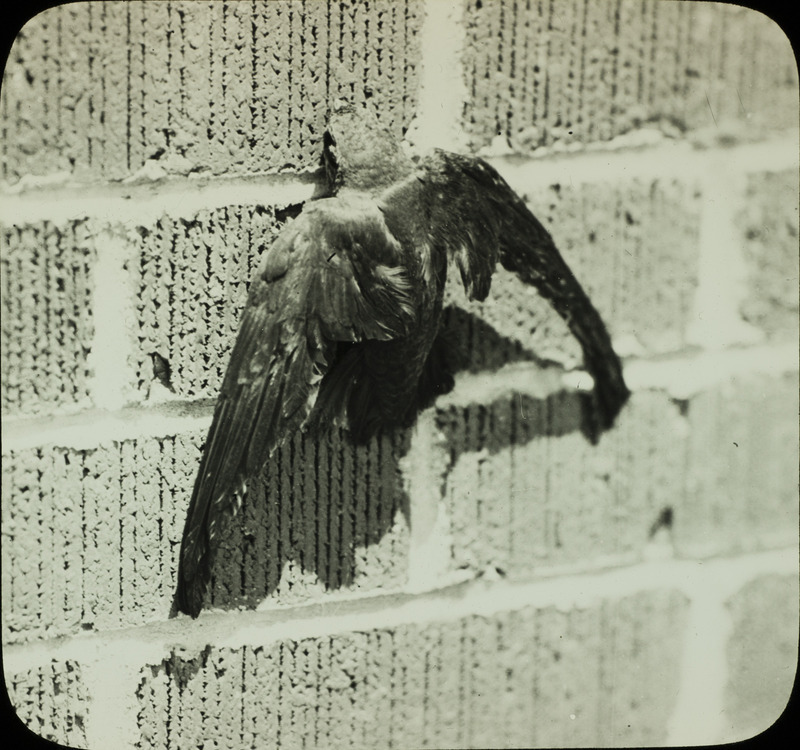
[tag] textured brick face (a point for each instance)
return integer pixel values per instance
(516, 679)
(634, 249)
(323, 515)
(47, 323)
(98, 89)
(769, 224)
(191, 278)
(541, 73)
(90, 538)
(762, 653)
(52, 702)
(741, 481)
(525, 490)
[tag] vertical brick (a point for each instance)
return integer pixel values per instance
(214, 250)
(91, 536)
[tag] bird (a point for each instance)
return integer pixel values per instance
(343, 319)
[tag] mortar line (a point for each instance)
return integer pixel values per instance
(152, 642)
(722, 283)
(681, 375)
(442, 89)
(111, 348)
(145, 201)
(624, 160)
(56, 199)
(698, 715)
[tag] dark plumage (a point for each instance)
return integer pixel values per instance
(343, 314)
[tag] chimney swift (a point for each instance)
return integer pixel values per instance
(343, 315)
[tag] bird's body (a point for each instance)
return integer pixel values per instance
(343, 316)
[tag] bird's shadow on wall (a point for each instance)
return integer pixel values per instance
(321, 501)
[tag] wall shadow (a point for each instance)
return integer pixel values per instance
(321, 498)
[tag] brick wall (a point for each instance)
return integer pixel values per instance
(488, 578)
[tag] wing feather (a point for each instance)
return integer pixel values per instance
(335, 274)
(479, 220)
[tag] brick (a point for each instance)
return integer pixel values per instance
(51, 701)
(526, 491)
(740, 491)
(755, 86)
(47, 323)
(769, 225)
(762, 654)
(98, 90)
(633, 247)
(544, 74)
(513, 679)
(91, 537)
(641, 633)
(216, 251)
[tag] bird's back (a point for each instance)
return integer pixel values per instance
(381, 384)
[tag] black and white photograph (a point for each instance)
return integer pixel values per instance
(397, 374)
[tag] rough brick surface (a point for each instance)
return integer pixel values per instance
(90, 538)
(516, 679)
(770, 227)
(543, 73)
(191, 279)
(47, 322)
(100, 89)
(51, 701)
(740, 490)
(525, 490)
(762, 653)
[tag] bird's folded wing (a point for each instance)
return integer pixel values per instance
(334, 274)
(477, 219)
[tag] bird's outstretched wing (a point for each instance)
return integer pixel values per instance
(334, 274)
(475, 216)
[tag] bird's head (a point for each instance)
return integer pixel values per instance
(360, 153)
